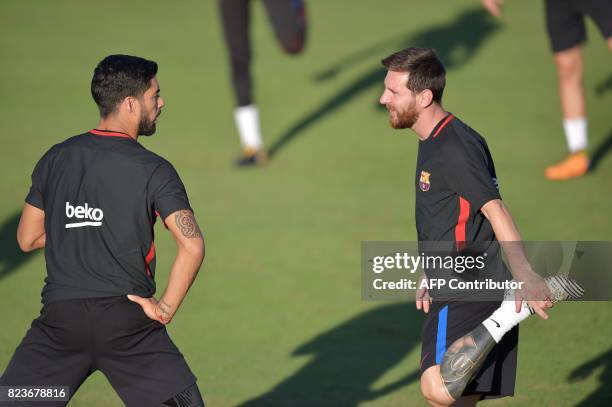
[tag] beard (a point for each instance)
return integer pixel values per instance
(147, 127)
(403, 119)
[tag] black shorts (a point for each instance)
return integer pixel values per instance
(565, 21)
(447, 322)
(71, 339)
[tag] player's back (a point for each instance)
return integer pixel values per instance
(99, 191)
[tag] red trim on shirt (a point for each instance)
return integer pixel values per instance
(464, 214)
(149, 258)
(444, 123)
(108, 133)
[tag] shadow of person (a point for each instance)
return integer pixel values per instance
(348, 359)
(600, 152)
(11, 256)
(604, 86)
(456, 43)
(603, 394)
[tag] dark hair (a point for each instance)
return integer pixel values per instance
(119, 76)
(425, 68)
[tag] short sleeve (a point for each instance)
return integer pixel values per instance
(36, 197)
(167, 191)
(472, 175)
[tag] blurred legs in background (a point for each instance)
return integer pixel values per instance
(567, 33)
(289, 22)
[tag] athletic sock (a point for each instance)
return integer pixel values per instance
(575, 134)
(505, 317)
(247, 122)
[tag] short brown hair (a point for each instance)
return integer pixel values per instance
(425, 68)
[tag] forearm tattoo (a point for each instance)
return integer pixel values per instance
(187, 224)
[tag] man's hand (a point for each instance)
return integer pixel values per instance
(156, 310)
(493, 6)
(423, 300)
(536, 293)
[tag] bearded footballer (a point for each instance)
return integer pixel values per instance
(469, 349)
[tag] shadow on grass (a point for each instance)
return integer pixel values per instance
(604, 86)
(456, 43)
(11, 256)
(601, 151)
(602, 396)
(349, 359)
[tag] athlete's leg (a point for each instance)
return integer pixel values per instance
(190, 397)
(433, 389)
(571, 94)
(571, 90)
(137, 355)
(54, 351)
(567, 33)
(444, 384)
(235, 16)
(467, 401)
(464, 358)
(436, 395)
(600, 11)
(288, 17)
(235, 19)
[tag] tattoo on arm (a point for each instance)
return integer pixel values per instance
(187, 224)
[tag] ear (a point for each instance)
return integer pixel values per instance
(426, 98)
(130, 104)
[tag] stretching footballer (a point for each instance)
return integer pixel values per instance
(92, 205)
(469, 347)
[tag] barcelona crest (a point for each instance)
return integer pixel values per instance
(424, 181)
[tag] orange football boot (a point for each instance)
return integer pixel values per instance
(572, 166)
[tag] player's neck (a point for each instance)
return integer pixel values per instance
(428, 120)
(116, 124)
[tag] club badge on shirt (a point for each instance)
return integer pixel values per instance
(424, 181)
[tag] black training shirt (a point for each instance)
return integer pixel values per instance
(101, 192)
(455, 177)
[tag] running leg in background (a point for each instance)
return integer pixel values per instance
(235, 16)
(288, 17)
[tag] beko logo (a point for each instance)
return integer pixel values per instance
(92, 215)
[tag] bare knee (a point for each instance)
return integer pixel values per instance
(569, 64)
(433, 389)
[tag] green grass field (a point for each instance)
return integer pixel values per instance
(275, 317)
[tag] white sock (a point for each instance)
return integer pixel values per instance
(247, 121)
(575, 134)
(505, 317)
